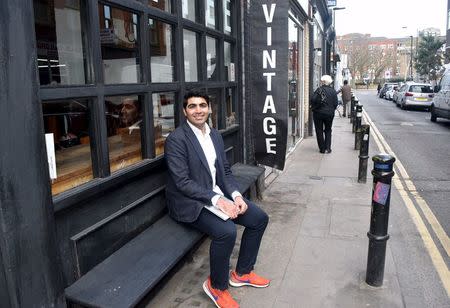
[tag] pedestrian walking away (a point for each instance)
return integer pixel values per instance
(346, 93)
(200, 178)
(323, 105)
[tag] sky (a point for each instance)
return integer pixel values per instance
(388, 17)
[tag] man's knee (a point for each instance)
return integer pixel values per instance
(227, 233)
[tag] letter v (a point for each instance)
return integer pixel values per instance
(267, 15)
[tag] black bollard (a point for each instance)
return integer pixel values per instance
(355, 103)
(381, 196)
(363, 153)
(350, 108)
(357, 124)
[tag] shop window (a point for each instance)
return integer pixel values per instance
(163, 118)
(211, 59)
(67, 134)
(231, 118)
(227, 16)
(190, 55)
(119, 41)
(164, 5)
(124, 125)
(161, 51)
(210, 13)
(229, 62)
(61, 48)
(214, 103)
(189, 9)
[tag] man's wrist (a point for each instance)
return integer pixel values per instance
(214, 200)
(235, 194)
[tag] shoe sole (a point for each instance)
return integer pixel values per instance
(241, 284)
(206, 289)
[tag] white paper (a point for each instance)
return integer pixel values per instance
(51, 157)
(217, 212)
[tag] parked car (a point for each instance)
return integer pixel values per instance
(389, 95)
(415, 94)
(386, 87)
(440, 106)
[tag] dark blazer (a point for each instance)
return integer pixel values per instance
(189, 183)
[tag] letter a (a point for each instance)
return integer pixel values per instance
(269, 104)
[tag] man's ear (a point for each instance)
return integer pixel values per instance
(184, 112)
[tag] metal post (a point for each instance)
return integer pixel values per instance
(352, 106)
(355, 103)
(358, 126)
(363, 153)
(381, 196)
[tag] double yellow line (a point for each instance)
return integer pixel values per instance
(408, 192)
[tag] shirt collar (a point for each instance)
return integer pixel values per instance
(197, 131)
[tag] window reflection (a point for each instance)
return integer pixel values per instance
(124, 123)
(211, 59)
(227, 21)
(163, 118)
(230, 108)
(190, 55)
(61, 48)
(120, 48)
(210, 14)
(67, 123)
(160, 4)
(189, 9)
(229, 62)
(162, 63)
(214, 103)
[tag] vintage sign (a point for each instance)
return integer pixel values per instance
(269, 80)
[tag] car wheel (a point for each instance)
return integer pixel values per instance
(403, 106)
(433, 116)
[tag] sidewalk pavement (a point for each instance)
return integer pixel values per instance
(315, 246)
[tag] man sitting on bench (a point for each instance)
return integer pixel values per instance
(199, 176)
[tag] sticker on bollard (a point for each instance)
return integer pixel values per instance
(382, 166)
(381, 193)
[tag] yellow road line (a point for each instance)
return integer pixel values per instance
(433, 251)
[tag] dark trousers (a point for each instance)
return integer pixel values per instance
(322, 124)
(223, 238)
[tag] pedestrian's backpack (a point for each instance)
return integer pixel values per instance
(319, 101)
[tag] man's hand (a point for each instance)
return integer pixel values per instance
(241, 205)
(228, 207)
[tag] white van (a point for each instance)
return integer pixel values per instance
(440, 107)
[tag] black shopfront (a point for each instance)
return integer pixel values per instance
(89, 90)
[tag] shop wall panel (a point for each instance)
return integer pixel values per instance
(90, 231)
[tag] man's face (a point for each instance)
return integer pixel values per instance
(197, 111)
(129, 113)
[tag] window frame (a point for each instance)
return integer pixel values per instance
(96, 91)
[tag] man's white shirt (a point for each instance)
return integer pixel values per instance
(211, 156)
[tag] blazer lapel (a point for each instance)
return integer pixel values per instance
(196, 145)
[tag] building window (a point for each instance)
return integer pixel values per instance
(189, 9)
(211, 58)
(164, 5)
(163, 118)
(210, 14)
(227, 16)
(214, 103)
(230, 107)
(229, 62)
(124, 126)
(120, 49)
(161, 51)
(61, 48)
(67, 130)
(190, 55)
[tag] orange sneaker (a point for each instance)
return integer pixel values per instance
(222, 299)
(250, 279)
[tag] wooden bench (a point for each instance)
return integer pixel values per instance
(126, 276)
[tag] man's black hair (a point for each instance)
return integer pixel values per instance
(345, 81)
(194, 94)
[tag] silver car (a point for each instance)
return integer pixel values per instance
(415, 94)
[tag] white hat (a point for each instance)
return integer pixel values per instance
(326, 79)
